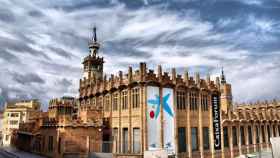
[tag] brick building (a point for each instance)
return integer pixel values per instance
(57, 133)
(143, 110)
(184, 115)
(16, 113)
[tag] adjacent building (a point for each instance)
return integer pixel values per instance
(58, 133)
(16, 113)
(1, 127)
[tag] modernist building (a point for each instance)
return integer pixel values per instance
(144, 110)
(16, 113)
(248, 127)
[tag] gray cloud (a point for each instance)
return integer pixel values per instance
(27, 78)
(42, 43)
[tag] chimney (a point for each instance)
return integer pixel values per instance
(129, 73)
(173, 74)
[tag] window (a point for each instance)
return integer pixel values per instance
(100, 101)
(7, 137)
(181, 100)
(242, 135)
(135, 98)
(115, 101)
(93, 102)
(250, 137)
(107, 103)
(268, 132)
(14, 115)
(257, 134)
(193, 101)
(125, 140)
(194, 139)
(204, 102)
(182, 139)
(50, 145)
(274, 130)
(115, 137)
(124, 99)
(234, 135)
(263, 134)
(205, 138)
(13, 122)
(136, 140)
(225, 131)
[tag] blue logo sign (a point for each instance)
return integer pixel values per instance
(165, 106)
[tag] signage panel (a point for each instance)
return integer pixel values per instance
(153, 118)
(216, 121)
(168, 120)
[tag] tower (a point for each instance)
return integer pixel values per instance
(226, 95)
(93, 64)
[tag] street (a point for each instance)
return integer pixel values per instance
(14, 153)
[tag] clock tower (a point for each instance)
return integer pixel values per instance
(93, 64)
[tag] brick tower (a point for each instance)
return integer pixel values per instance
(93, 64)
(226, 95)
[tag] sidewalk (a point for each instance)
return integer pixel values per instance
(21, 154)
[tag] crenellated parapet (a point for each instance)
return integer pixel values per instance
(91, 87)
(64, 101)
(262, 111)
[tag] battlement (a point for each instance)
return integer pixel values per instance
(64, 101)
(265, 104)
(91, 86)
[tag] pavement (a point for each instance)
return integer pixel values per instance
(8, 152)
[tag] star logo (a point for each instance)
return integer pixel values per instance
(156, 102)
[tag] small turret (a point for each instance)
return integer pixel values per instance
(223, 77)
(186, 76)
(93, 44)
(226, 94)
(93, 64)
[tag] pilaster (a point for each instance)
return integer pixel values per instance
(239, 139)
(200, 128)
(189, 128)
(211, 130)
(230, 140)
(222, 141)
(129, 120)
(247, 137)
(120, 124)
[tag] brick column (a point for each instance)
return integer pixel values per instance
(189, 128)
(142, 94)
(254, 136)
(222, 141)
(129, 121)
(239, 138)
(200, 128)
(175, 120)
(211, 129)
(246, 134)
(120, 124)
(230, 140)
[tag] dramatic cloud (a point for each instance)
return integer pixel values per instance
(42, 43)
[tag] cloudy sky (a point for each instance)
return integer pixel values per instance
(42, 43)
